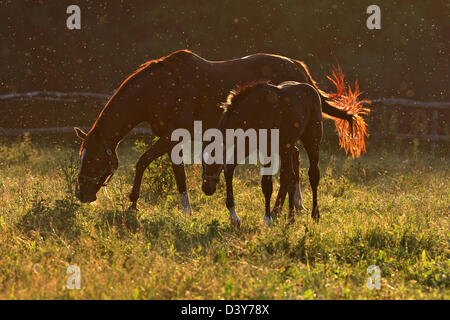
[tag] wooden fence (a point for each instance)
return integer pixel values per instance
(409, 119)
(426, 121)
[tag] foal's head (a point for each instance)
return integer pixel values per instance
(211, 174)
(244, 108)
(98, 163)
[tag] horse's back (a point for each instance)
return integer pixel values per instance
(226, 74)
(258, 66)
(302, 88)
(263, 66)
(303, 97)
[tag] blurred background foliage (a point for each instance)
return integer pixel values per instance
(408, 57)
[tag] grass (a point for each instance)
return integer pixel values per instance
(385, 209)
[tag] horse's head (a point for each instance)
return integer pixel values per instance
(239, 112)
(211, 174)
(98, 162)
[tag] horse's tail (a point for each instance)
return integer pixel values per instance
(346, 111)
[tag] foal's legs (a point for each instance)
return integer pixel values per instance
(288, 183)
(289, 161)
(267, 189)
(298, 200)
(312, 148)
(159, 148)
(228, 172)
(281, 197)
(180, 178)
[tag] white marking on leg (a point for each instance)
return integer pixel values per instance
(185, 203)
(235, 220)
(298, 200)
(105, 191)
(268, 221)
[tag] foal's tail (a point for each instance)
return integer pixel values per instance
(346, 110)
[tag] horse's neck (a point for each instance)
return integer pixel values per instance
(115, 122)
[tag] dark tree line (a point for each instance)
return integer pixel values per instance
(407, 58)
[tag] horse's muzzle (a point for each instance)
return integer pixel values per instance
(86, 199)
(209, 188)
(83, 197)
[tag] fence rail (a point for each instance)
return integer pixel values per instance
(437, 109)
(413, 103)
(56, 130)
(53, 96)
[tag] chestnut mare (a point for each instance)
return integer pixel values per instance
(173, 91)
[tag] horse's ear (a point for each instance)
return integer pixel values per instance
(80, 133)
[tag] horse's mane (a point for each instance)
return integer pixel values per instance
(123, 89)
(153, 62)
(240, 92)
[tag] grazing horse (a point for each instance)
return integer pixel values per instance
(174, 91)
(295, 109)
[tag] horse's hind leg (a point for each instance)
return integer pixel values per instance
(312, 148)
(298, 200)
(267, 189)
(160, 147)
(282, 192)
(281, 197)
(291, 180)
(287, 183)
(180, 178)
(291, 192)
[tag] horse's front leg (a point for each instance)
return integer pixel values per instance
(159, 148)
(229, 172)
(287, 184)
(293, 182)
(180, 178)
(282, 192)
(267, 189)
(291, 191)
(281, 197)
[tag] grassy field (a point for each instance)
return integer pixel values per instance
(384, 209)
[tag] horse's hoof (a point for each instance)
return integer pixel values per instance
(236, 222)
(185, 204)
(268, 221)
(315, 215)
(275, 212)
(234, 218)
(133, 207)
(187, 211)
(300, 208)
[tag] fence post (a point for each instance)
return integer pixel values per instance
(434, 129)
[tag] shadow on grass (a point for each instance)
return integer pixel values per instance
(52, 218)
(184, 235)
(125, 221)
